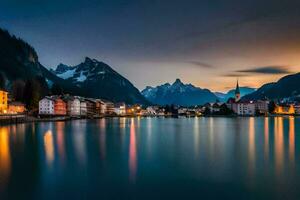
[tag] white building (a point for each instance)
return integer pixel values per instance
(152, 110)
(245, 108)
(120, 109)
(46, 106)
(73, 107)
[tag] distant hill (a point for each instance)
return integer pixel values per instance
(99, 80)
(288, 86)
(225, 96)
(178, 93)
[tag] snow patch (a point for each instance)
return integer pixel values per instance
(67, 74)
(81, 78)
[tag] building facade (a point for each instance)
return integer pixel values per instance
(3, 101)
(16, 107)
(83, 108)
(120, 109)
(285, 109)
(46, 106)
(60, 107)
(245, 108)
(73, 107)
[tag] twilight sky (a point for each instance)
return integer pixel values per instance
(208, 43)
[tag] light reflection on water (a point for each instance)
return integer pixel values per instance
(256, 156)
(5, 158)
(132, 152)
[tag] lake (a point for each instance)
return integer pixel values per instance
(152, 158)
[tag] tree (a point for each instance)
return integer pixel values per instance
(18, 87)
(56, 89)
(271, 107)
(2, 81)
(34, 90)
(206, 111)
(224, 110)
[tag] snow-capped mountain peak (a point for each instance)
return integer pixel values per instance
(88, 70)
(98, 79)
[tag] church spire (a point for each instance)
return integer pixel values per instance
(237, 92)
(237, 89)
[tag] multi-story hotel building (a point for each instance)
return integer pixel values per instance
(3, 101)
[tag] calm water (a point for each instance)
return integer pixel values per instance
(152, 158)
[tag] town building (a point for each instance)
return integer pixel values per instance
(16, 107)
(107, 107)
(73, 106)
(83, 108)
(262, 106)
(60, 107)
(120, 108)
(245, 108)
(3, 101)
(46, 106)
(241, 107)
(91, 107)
(284, 109)
(152, 110)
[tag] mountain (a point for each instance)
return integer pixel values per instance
(288, 86)
(179, 94)
(19, 61)
(225, 96)
(19, 64)
(99, 80)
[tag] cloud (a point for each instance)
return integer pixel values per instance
(266, 70)
(235, 75)
(201, 64)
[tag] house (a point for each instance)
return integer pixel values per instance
(107, 107)
(120, 108)
(83, 107)
(16, 107)
(73, 106)
(216, 107)
(90, 107)
(3, 101)
(46, 106)
(60, 107)
(262, 106)
(284, 109)
(152, 110)
(182, 111)
(103, 108)
(213, 107)
(245, 108)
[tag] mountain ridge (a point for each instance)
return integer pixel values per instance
(178, 93)
(91, 74)
(285, 87)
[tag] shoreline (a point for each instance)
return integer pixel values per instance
(19, 119)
